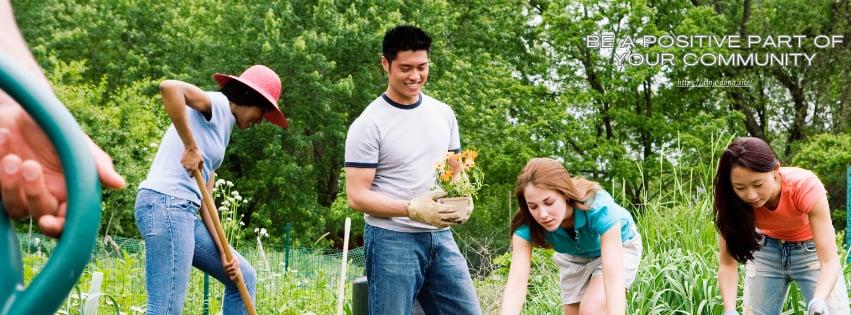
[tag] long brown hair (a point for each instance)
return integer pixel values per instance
(734, 218)
(547, 173)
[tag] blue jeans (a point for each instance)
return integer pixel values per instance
(777, 264)
(427, 266)
(175, 241)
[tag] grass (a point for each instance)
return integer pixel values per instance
(677, 274)
(301, 281)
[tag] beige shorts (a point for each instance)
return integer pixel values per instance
(576, 272)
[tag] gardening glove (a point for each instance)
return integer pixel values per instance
(817, 307)
(425, 209)
(469, 210)
(731, 312)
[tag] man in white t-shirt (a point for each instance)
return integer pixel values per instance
(391, 149)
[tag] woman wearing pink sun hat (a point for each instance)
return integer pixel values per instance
(264, 81)
(169, 198)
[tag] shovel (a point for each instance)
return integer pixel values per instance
(215, 227)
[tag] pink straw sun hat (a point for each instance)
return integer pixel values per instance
(264, 81)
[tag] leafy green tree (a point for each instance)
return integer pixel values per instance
(828, 156)
(129, 130)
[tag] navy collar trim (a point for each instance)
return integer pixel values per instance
(401, 106)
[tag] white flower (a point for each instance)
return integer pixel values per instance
(261, 231)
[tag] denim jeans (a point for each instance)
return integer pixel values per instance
(427, 266)
(778, 263)
(175, 241)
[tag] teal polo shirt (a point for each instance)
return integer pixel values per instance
(588, 226)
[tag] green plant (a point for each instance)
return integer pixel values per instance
(231, 202)
(458, 175)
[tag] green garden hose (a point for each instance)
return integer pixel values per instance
(46, 292)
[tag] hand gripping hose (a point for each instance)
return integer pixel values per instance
(46, 292)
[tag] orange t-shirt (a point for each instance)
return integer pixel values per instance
(800, 189)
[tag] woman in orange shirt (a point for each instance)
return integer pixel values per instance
(777, 221)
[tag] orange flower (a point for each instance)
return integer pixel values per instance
(469, 155)
(440, 164)
(465, 180)
(446, 176)
(468, 164)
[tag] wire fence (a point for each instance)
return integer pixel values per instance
(290, 280)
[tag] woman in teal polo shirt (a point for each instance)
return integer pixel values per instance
(597, 246)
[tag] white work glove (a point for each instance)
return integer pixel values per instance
(817, 307)
(425, 209)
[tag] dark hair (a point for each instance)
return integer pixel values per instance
(241, 94)
(548, 174)
(404, 38)
(734, 218)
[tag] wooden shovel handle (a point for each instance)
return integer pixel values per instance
(216, 229)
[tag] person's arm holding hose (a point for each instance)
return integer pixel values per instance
(32, 181)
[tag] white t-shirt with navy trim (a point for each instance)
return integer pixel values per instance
(402, 143)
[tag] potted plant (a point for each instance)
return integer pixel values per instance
(458, 176)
